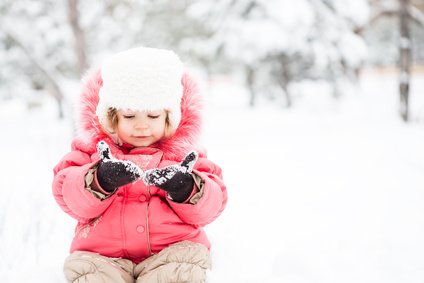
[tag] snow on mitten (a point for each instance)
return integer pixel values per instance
(113, 173)
(176, 180)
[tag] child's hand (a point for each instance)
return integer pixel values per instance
(176, 180)
(113, 173)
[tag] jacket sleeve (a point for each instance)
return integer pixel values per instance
(213, 200)
(69, 188)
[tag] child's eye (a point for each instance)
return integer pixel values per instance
(153, 116)
(128, 116)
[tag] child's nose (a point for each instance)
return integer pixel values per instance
(141, 126)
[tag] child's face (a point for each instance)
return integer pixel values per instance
(141, 129)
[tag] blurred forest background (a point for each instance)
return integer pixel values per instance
(46, 46)
(316, 105)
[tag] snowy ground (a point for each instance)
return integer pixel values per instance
(329, 191)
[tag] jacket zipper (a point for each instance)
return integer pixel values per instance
(124, 236)
(147, 221)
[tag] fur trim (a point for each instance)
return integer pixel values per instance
(176, 147)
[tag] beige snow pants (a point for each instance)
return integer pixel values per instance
(182, 262)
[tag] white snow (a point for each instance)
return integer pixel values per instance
(328, 191)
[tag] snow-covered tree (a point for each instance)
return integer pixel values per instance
(276, 43)
(398, 26)
(34, 48)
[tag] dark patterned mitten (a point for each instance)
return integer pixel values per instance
(113, 173)
(176, 180)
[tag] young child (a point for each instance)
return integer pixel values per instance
(136, 180)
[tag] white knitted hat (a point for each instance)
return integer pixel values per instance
(142, 79)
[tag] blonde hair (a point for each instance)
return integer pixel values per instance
(113, 119)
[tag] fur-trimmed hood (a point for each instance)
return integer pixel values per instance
(184, 140)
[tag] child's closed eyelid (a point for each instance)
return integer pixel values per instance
(154, 114)
(128, 115)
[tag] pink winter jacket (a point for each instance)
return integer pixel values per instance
(138, 220)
